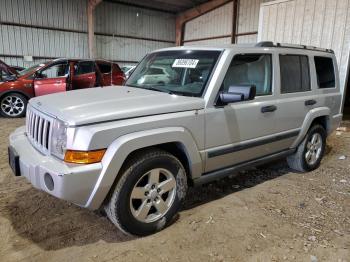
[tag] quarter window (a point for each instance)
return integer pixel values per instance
(325, 72)
(295, 73)
(250, 69)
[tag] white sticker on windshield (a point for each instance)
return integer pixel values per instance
(187, 63)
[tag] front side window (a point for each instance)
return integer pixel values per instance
(250, 70)
(85, 67)
(183, 72)
(295, 73)
(325, 72)
(55, 71)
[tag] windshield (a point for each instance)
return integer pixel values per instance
(184, 72)
(30, 69)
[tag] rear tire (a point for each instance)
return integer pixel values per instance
(311, 150)
(13, 105)
(148, 194)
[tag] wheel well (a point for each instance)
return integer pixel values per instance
(177, 149)
(323, 121)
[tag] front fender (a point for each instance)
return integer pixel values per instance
(311, 116)
(121, 148)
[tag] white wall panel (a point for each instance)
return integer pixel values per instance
(310, 22)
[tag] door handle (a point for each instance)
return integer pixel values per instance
(266, 109)
(310, 102)
(58, 82)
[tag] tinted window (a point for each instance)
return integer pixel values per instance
(58, 70)
(105, 68)
(295, 74)
(325, 72)
(84, 68)
(250, 69)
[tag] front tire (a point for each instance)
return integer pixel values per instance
(311, 150)
(148, 194)
(13, 105)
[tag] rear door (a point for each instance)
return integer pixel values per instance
(296, 97)
(84, 75)
(52, 79)
(105, 70)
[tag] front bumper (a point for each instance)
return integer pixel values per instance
(71, 182)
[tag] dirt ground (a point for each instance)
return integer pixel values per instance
(267, 214)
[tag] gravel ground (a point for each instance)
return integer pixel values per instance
(266, 214)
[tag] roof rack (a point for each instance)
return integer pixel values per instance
(313, 48)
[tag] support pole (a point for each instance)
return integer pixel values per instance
(91, 31)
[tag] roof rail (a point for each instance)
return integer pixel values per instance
(314, 48)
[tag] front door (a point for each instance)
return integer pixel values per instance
(243, 131)
(52, 79)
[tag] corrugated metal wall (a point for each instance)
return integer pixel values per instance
(30, 28)
(319, 23)
(58, 28)
(148, 30)
(217, 23)
(248, 20)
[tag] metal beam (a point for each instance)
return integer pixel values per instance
(91, 31)
(192, 13)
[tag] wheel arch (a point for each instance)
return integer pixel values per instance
(317, 115)
(177, 141)
(15, 92)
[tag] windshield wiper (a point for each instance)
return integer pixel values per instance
(149, 88)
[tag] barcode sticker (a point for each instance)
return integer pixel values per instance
(187, 63)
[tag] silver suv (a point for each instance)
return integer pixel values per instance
(134, 150)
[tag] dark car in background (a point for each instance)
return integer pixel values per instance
(54, 76)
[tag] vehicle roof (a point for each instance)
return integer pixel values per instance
(266, 46)
(80, 59)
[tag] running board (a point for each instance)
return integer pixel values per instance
(221, 173)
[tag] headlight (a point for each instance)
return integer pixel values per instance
(59, 139)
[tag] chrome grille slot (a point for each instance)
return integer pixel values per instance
(38, 127)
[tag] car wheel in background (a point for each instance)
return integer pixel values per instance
(13, 105)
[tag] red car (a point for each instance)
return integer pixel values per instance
(54, 76)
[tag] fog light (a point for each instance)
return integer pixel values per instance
(84, 157)
(49, 181)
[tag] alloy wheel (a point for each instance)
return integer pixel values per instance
(153, 195)
(313, 149)
(12, 105)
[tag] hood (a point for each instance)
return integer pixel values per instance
(94, 105)
(8, 69)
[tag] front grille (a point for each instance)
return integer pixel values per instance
(38, 128)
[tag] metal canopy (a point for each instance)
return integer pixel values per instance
(170, 6)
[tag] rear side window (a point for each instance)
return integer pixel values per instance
(250, 69)
(295, 73)
(85, 67)
(105, 68)
(325, 72)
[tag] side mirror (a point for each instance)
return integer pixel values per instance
(237, 94)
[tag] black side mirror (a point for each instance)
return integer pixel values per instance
(237, 94)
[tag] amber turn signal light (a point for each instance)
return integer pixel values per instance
(84, 157)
